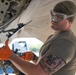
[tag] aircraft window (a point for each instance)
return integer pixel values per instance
(26, 44)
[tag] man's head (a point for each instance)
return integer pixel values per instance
(66, 7)
(63, 15)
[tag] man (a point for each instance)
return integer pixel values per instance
(58, 54)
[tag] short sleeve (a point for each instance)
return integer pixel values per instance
(63, 48)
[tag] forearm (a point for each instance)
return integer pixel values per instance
(26, 67)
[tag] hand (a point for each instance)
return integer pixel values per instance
(27, 56)
(5, 52)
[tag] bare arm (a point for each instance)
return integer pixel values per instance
(48, 65)
(26, 67)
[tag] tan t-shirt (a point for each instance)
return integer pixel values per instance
(62, 45)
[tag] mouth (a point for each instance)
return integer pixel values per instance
(54, 23)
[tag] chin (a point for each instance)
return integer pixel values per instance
(54, 27)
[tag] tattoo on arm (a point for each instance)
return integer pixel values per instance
(50, 64)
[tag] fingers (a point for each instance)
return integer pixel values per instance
(27, 56)
(6, 43)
